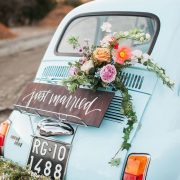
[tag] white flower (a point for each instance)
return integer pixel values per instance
(106, 27)
(141, 39)
(145, 58)
(161, 71)
(171, 82)
(163, 76)
(148, 36)
(87, 66)
(137, 35)
(167, 79)
(134, 61)
(137, 53)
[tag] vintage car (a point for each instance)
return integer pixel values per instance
(74, 151)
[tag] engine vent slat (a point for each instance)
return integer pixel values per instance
(55, 72)
(113, 112)
(114, 115)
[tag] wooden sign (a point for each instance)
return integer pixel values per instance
(82, 107)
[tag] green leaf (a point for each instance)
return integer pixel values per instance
(115, 162)
(126, 146)
(72, 40)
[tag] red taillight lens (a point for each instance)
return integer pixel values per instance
(136, 167)
(1, 140)
(3, 131)
(132, 177)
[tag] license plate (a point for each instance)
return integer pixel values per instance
(49, 158)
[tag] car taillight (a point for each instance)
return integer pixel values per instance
(136, 167)
(4, 126)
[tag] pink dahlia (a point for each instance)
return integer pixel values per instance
(73, 71)
(108, 73)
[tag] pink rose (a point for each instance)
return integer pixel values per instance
(108, 73)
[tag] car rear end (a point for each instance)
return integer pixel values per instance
(86, 153)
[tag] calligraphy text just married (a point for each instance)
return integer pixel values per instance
(51, 100)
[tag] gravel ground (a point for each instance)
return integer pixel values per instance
(15, 72)
(19, 61)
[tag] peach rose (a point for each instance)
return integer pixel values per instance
(102, 54)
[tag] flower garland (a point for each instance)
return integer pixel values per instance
(101, 66)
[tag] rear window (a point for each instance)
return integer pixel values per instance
(89, 28)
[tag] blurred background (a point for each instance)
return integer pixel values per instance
(26, 27)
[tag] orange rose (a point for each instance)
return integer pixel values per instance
(102, 54)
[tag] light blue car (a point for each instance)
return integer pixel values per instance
(82, 152)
